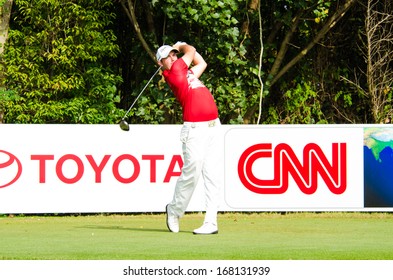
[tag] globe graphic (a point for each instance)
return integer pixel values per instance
(378, 167)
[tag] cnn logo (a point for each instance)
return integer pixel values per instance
(285, 163)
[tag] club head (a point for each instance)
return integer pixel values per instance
(124, 125)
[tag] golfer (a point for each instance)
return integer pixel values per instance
(199, 134)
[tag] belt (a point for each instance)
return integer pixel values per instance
(211, 123)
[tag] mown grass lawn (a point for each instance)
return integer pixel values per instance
(242, 236)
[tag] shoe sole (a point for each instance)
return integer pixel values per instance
(207, 233)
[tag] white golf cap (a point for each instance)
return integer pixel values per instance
(164, 51)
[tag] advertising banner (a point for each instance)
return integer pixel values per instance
(102, 169)
(298, 167)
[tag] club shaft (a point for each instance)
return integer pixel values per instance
(136, 99)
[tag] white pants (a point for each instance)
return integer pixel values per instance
(202, 155)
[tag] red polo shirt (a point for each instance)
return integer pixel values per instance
(195, 98)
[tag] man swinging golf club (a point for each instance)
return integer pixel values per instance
(199, 134)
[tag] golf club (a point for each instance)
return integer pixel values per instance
(123, 123)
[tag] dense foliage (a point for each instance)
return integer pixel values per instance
(274, 62)
(57, 60)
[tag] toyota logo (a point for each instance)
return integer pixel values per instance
(10, 169)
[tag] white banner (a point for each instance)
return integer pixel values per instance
(306, 168)
(100, 168)
(88, 168)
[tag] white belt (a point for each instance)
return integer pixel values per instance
(211, 123)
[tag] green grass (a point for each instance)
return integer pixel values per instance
(255, 236)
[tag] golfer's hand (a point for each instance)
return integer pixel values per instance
(178, 44)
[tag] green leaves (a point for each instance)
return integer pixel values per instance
(56, 61)
(301, 106)
(213, 27)
(62, 60)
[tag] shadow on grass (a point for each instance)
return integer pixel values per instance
(130, 229)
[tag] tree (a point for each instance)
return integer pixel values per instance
(215, 28)
(128, 7)
(228, 32)
(296, 27)
(211, 26)
(5, 14)
(286, 57)
(371, 79)
(378, 52)
(58, 62)
(276, 73)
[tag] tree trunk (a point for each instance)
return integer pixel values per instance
(5, 15)
(331, 22)
(277, 73)
(285, 43)
(379, 56)
(130, 11)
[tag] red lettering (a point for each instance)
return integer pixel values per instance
(42, 166)
(98, 169)
(176, 160)
(59, 169)
(285, 162)
(174, 169)
(116, 172)
(153, 159)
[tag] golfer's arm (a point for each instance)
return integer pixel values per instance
(187, 50)
(192, 56)
(199, 65)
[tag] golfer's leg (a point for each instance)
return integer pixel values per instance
(213, 171)
(188, 179)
